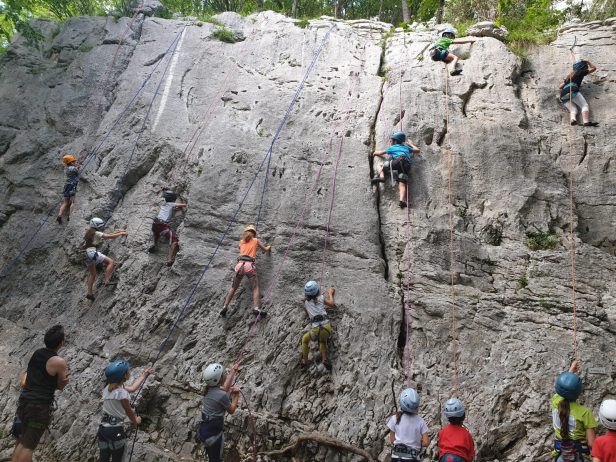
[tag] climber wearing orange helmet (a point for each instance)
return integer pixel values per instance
(70, 187)
(246, 266)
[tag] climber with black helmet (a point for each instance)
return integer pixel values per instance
(407, 431)
(160, 227)
(219, 397)
(570, 95)
(71, 169)
(246, 266)
(94, 259)
(116, 409)
(455, 443)
(574, 424)
(440, 50)
(319, 327)
(401, 151)
(604, 449)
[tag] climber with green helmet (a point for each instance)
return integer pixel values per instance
(319, 327)
(440, 50)
(117, 409)
(402, 151)
(219, 398)
(455, 443)
(71, 169)
(408, 432)
(570, 95)
(574, 424)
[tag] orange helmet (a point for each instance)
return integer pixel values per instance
(69, 159)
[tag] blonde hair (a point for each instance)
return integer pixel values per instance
(114, 386)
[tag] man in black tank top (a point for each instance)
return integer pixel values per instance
(47, 372)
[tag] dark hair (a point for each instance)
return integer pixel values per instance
(456, 420)
(89, 237)
(563, 415)
(54, 337)
(393, 141)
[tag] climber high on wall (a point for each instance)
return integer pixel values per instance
(160, 227)
(440, 50)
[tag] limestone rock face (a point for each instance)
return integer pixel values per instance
(488, 29)
(203, 123)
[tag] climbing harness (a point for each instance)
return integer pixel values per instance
(406, 453)
(570, 450)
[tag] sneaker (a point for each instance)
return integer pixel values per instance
(90, 297)
(59, 220)
(258, 311)
(591, 124)
(402, 204)
(574, 122)
(68, 218)
(169, 263)
(152, 249)
(327, 365)
(223, 312)
(455, 72)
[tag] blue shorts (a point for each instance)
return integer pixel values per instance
(70, 190)
(439, 55)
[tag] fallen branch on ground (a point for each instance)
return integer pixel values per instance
(320, 439)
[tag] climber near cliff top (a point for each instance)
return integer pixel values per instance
(246, 266)
(401, 152)
(440, 50)
(574, 425)
(455, 443)
(117, 408)
(319, 327)
(570, 95)
(160, 227)
(71, 169)
(93, 238)
(407, 431)
(46, 373)
(219, 397)
(604, 449)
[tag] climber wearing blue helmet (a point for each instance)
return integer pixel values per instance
(439, 51)
(455, 443)
(401, 151)
(574, 424)
(407, 431)
(117, 409)
(319, 327)
(570, 95)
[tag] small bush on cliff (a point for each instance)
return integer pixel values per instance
(541, 240)
(224, 35)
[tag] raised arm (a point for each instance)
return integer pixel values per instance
(462, 42)
(416, 150)
(137, 383)
(329, 300)
(591, 67)
(235, 398)
(379, 153)
(264, 248)
(115, 234)
(180, 206)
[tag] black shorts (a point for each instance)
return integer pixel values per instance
(401, 164)
(35, 418)
(70, 190)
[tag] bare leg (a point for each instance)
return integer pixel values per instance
(22, 454)
(91, 277)
(236, 283)
(65, 204)
(173, 249)
(256, 293)
(71, 207)
(402, 189)
(109, 267)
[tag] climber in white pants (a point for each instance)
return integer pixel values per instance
(570, 95)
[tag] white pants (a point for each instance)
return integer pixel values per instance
(578, 101)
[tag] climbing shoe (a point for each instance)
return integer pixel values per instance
(591, 124)
(327, 365)
(90, 297)
(455, 72)
(152, 249)
(377, 180)
(258, 312)
(402, 204)
(223, 312)
(574, 122)
(59, 220)
(169, 263)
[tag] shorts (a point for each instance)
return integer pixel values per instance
(162, 229)
(451, 458)
(439, 55)
(401, 164)
(245, 268)
(94, 257)
(112, 438)
(70, 190)
(35, 418)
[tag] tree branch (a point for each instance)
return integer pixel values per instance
(320, 439)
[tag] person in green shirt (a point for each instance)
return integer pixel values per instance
(439, 51)
(574, 424)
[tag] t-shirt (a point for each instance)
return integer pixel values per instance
(316, 307)
(455, 439)
(580, 419)
(166, 211)
(249, 248)
(71, 173)
(605, 447)
(578, 77)
(397, 150)
(444, 43)
(216, 403)
(409, 430)
(112, 402)
(97, 239)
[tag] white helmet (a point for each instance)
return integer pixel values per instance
(607, 414)
(97, 223)
(212, 374)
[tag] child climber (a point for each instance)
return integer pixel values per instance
(319, 328)
(440, 50)
(604, 449)
(219, 397)
(160, 227)
(71, 169)
(402, 152)
(574, 425)
(93, 238)
(570, 95)
(246, 266)
(116, 409)
(407, 431)
(455, 443)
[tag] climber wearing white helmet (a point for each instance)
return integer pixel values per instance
(93, 238)
(407, 431)
(439, 51)
(455, 443)
(604, 448)
(319, 327)
(219, 397)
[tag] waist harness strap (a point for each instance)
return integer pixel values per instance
(111, 420)
(246, 258)
(404, 452)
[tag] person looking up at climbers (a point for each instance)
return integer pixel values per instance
(219, 398)
(571, 96)
(160, 227)
(455, 443)
(116, 409)
(246, 266)
(93, 238)
(319, 327)
(401, 152)
(46, 373)
(604, 449)
(71, 169)
(407, 431)
(440, 50)
(574, 425)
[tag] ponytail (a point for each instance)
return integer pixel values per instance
(89, 237)
(563, 415)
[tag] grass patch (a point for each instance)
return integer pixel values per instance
(541, 240)
(302, 23)
(260, 131)
(224, 35)
(461, 212)
(85, 47)
(210, 20)
(523, 282)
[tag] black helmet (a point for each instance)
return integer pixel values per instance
(169, 195)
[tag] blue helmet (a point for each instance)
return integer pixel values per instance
(580, 65)
(409, 401)
(399, 136)
(569, 386)
(116, 371)
(454, 408)
(311, 288)
(449, 32)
